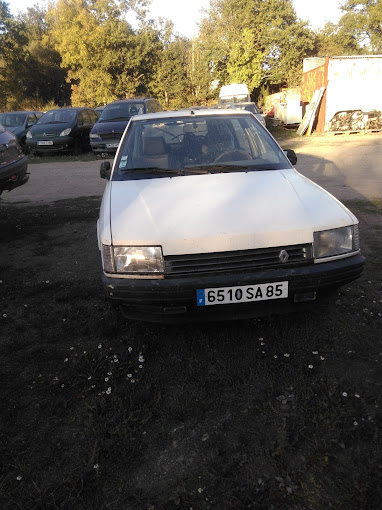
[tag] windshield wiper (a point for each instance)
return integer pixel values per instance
(113, 119)
(218, 167)
(152, 170)
(243, 168)
(53, 122)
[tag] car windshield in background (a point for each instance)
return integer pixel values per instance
(58, 116)
(250, 107)
(171, 146)
(12, 119)
(120, 111)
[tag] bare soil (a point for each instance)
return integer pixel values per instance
(100, 413)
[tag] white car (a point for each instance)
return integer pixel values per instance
(204, 217)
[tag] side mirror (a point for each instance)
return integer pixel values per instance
(291, 155)
(105, 170)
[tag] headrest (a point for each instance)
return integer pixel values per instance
(154, 145)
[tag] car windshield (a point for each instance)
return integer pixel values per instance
(172, 146)
(120, 111)
(12, 119)
(58, 117)
(251, 107)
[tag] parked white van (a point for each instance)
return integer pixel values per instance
(234, 93)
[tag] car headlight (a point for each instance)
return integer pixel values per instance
(65, 132)
(133, 259)
(337, 241)
(94, 136)
(29, 134)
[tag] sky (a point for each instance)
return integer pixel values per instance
(186, 13)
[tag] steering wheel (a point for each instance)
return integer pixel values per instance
(235, 155)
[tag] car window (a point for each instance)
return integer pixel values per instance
(208, 141)
(120, 111)
(157, 106)
(58, 117)
(93, 116)
(85, 118)
(31, 120)
(12, 119)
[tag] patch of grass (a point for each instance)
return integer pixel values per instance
(100, 412)
(58, 157)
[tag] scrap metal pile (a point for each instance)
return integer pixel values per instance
(356, 120)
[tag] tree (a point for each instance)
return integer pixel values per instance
(45, 78)
(105, 58)
(362, 20)
(256, 42)
(334, 40)
(12, 53)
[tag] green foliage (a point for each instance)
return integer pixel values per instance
(12, 54)
(334, 40)
(85, 52)
(244, 61)
(105, 58)
(256, 42)
(363, 21)
(358, 32)
(171, 82)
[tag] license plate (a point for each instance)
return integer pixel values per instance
(241, 294)
(112, 145)
(45, 142)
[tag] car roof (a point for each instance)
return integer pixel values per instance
(22, 111)
(192, 114)
(77, 108)
(131, 100)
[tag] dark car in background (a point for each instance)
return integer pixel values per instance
(250, 107)
(13, 163)
(18, 122)
(109, 128)
(62, 130)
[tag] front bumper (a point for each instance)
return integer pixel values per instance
(14, 174)
(60, 144)
(173, 300)
(105, 146)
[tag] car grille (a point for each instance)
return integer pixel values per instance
(44, 136)
(111, 136)
(236, 261)
(9, 154)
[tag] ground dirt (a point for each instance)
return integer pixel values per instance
(99, 412)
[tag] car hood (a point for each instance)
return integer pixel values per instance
(116, 126)
(52, 129)
(16, 129)
(6, 138)
(220, 212)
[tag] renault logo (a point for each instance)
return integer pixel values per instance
(283, 256)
